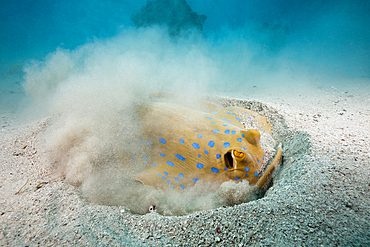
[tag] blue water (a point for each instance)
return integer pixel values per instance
(31, 29)
(329, 32)
(243, 41)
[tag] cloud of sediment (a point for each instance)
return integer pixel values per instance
(91, 93)
(92, 96)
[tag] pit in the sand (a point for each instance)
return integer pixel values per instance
(151, 165)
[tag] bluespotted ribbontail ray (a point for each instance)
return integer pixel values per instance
(191, 146)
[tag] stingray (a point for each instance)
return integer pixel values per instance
(204, 144)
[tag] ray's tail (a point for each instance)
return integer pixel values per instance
(267, 176)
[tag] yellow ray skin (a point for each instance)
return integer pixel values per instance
(203, 145)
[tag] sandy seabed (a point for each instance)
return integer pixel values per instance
(320, 195)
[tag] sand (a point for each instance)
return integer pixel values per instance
(320, 195)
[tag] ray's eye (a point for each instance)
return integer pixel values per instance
(238, 155)
(233, 157)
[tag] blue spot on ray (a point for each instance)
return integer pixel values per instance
(162, 154)
(180, 157)
(195, 180)
(181, 175)
(216, 131)
(239, 139)
(227, 131)
(165, 173)
(256, 174)
(200, 165)
(218, 156)
(226, 145)
(149, 143)
(233, 132)
(145, 157)
(169, 181)
(206, 151)
(154, 165)
(177, 179)
(246, 169)
(181, 141)
(170, 163)
(213, 122)
(182, 186)
(199, 155)
(209, 118)
(215, 170)
(200, 136)
(195, 145)
(161, 140)
(163, 177)
(243, 148)
(211, 144)
(239, 119)
(236, 178)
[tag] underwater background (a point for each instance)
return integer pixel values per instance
(329, 35)
(72, 74)
(86, 67)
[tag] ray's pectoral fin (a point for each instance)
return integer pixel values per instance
(147, 177)
(267, 175)
(161, 95)
(139, 181)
